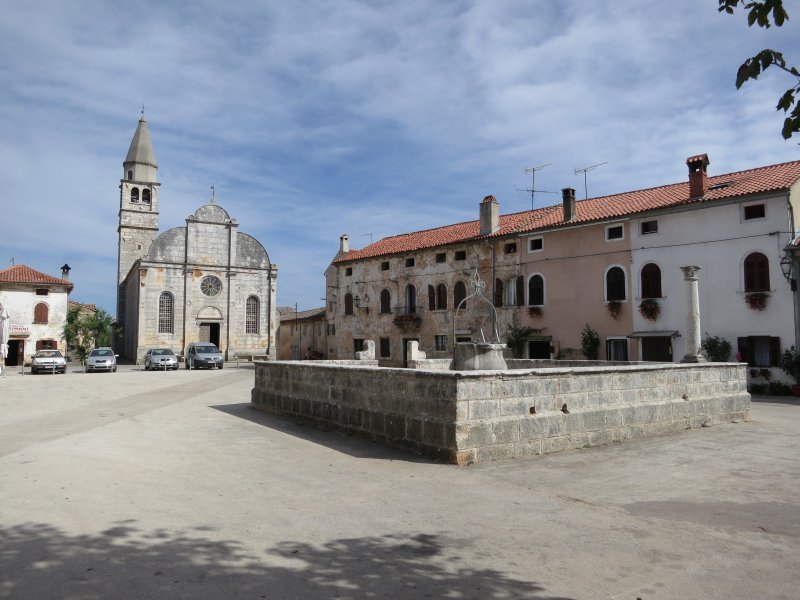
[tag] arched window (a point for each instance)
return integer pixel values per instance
(146, 196)
(459, 293)
(134, 194)
(498, 292)
(756, 273)
(615, 284)
(441, 296)
(166, 313)
(386, 302)
(41, 313)
(651, 281)
(536, 291)
(348, 304)
(411, 300)
(251, 315)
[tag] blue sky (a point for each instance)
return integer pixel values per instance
(371, 118)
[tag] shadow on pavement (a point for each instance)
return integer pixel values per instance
(790, 400)
(41, 561)
(352, 444)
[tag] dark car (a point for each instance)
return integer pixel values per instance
(201, 355)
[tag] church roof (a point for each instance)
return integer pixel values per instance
(141, 150)
(24, 274)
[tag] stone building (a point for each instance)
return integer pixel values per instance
(301, 334)
(206, 281)
(37, 307)
(612, 262)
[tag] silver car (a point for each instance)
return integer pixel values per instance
(203, 354)
(48, 361)
(160, 358)
(101, 359)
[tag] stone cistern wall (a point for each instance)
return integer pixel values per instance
(465, 417)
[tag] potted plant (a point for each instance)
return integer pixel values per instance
(790, 364)
(649, 309)
(756, 300)
(535, 312)
(614, 308)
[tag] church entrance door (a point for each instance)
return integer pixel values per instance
(209, 332)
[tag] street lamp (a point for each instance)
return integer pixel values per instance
(786, 269)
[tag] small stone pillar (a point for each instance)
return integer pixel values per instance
(368, 353)
(693, 341)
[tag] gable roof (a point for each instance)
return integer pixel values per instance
(720, 187)
(24, 274)
(287, 313)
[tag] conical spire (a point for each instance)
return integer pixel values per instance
(141, 150)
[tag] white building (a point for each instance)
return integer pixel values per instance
(37, 307)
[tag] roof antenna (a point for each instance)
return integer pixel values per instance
(370, 237)
(584, 170)
(532, 189)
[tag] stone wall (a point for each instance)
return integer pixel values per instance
(465, 417)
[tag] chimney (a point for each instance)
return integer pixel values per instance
(344, 244)
(65, 269)
(490, 215)
(568, 200)
(698, 180)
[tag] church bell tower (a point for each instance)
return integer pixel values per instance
(138, 208)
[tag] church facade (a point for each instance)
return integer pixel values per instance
(205, 282)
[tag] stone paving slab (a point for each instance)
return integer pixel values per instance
(168, 485)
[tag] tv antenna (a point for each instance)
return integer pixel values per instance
(584, 171)
(370, 237)
(532, 189)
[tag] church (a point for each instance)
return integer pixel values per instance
(205, 282)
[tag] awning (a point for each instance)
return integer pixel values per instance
(644, 334)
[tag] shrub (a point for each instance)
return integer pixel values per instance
(776, 388)
(790, 364)
(717, 349)
(590, 343)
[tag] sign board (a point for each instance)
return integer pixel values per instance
(18, 331)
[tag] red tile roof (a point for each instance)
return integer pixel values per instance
(732, 185)
(24, 274)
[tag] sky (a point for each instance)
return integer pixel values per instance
(372, 118)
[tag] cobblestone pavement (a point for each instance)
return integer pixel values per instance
(137, 485)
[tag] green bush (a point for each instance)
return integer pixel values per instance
(776, 388)
(716, 349)
(790, 364)
(590, 343)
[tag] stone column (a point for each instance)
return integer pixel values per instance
(693, 339)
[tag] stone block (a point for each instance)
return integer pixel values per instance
(395, 427)
(554, 425)
(474, 434)
(499, 452)
(528, 448)
(506, 431)
(600, 438)
(532, 428)
(555, 444)
(414, 429)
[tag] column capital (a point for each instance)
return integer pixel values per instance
(690, 272)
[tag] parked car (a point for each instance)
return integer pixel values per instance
(203, 354)
(48, 361)
(160, 358)
(101, 359)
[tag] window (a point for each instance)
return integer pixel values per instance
(130, 175)
(617, 349)
(431, 298)
(146, 196)
(536, 244)
(615, 284)
(651, 281)
(41, 313)
(409, 262)
(42, 292)
(165, 313)
(348, 304)
(510, 248)
(760, 350)
(348, 272)
(513, 291)
(441, 257)
(386, 347)
(411, 300)
(459, 294)
(251, 315)
(649, 227)
(440, 342)
(756, 273)
(134, 194)
(330, 328)
(615, 232)
(461, 255)
(536, 290)
(441, 297)
(386, 302)
(358, 345)
(385, 265)
(498, 292)
(754, 211)
(210, 285)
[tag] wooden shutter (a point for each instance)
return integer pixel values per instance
(431, 298)
(774, 351)
(743, 348)
(520, 291)
(498, 292)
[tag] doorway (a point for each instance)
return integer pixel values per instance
(209, 332)
(16, 353)
(539, 349)
(657, 349)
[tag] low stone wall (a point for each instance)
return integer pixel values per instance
(474, 416)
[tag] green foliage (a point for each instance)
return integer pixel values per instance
(717, 349)
(590, 343)
(516, 336)
(86, 331)
(764, 14)
(790, 364)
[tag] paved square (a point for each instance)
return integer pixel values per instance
(167, 485)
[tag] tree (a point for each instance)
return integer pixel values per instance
(590, 343)
(84, 331)
(764, 14)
